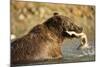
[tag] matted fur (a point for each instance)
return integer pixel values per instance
(44, 41)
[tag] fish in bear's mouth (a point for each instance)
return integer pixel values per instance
(84, 41)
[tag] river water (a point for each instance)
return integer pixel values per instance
(71, 54)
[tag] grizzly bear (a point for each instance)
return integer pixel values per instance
(44, 41)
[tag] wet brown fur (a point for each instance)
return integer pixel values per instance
(43, 41)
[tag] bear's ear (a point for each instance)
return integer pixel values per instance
(55, 14)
